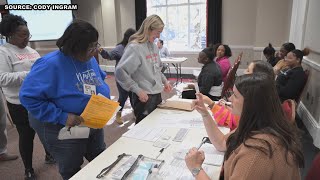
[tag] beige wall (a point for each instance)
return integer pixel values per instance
(238, 22)
(255, 22)
(272, 22)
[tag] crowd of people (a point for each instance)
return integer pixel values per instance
(50, 96)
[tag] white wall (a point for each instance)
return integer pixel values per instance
(304, 31)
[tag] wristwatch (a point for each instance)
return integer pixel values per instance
(196, 171)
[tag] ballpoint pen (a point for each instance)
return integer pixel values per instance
(202, 142)
(161, 150)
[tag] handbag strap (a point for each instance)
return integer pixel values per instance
(108, 169)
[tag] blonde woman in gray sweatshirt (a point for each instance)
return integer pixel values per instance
(139, 69)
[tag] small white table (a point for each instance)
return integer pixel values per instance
(176, 62)
(135, 147)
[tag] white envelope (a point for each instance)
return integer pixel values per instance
(77, 132)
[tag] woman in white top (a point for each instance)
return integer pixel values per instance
(16, 59)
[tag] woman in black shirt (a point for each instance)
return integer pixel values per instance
(290, 82)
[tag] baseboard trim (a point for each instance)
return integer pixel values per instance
(310, 123)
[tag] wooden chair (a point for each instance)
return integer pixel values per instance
(231, 77)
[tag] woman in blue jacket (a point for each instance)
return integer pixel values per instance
(55, 96)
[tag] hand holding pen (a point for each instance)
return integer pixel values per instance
(194, 158)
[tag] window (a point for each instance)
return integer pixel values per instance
(185, 23)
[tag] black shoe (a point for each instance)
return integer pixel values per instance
(29, 175)
(49, 159)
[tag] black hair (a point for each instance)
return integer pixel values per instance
(126, 36)
(299, 54)
(161, 41)
(262, 114)
(227, 51)
(269, 50)
(289, 46)
(209, 52)
(77, 38)
(10, 24)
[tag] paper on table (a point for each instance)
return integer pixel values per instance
(212, 156)
(99, 111)
(181, 121)
(177, 169)
(145, 134)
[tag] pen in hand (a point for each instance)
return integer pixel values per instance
(202, 142)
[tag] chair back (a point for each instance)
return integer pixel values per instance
(289, 109)
(228, 84)
(306, 77)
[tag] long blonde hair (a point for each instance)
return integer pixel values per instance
(152, 22)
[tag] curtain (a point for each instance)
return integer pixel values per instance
(141, 12)
(214, 16)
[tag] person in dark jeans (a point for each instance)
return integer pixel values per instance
(16, 61)
(55, 93)
(116, 54)
(143, 109)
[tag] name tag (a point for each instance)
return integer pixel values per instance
(89, 89)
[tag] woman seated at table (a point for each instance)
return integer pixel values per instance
(290, 82)
(209, 79)
(257, 66)
(264, 145)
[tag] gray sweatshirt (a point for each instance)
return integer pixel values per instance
(15, 63)
(139, 69)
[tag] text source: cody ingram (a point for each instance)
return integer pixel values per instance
(41, 7)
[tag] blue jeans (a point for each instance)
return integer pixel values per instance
(69, 153)
(123, 96)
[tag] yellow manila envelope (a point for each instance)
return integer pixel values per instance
(99, 111)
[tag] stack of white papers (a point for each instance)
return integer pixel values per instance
(145, 134)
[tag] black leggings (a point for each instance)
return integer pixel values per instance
(143, 109)
(19, 116)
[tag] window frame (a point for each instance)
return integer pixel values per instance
(189, 50)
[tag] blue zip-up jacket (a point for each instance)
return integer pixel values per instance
(54, 87)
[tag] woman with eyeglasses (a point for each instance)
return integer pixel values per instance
(56, 93)
(16, 59)
(264, 145)
(139, 70)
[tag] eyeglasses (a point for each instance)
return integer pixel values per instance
(97, 46)
(24, 37)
